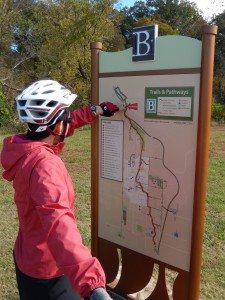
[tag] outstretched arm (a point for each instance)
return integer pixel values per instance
(87, 114)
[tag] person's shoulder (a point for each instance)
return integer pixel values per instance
(47, 159)
(43, 157)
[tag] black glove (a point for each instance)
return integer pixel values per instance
(100, 294)
(108, 108)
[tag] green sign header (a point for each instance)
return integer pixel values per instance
(169, 103)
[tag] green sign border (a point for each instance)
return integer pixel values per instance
(160, 91)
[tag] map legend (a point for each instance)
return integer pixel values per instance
(112, 149)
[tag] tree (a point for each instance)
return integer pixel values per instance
(219, 80)
(52, 39)
(9, 60)
(64, 53)
(182, 16)
(164, 28)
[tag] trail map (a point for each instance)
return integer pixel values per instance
(146, 205)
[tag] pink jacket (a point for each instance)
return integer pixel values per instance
(48, 242)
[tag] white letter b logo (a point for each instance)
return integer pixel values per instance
(143, 43)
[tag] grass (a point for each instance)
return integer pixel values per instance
(76, 155)
(213, 271)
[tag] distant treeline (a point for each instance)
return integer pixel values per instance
(51, 39)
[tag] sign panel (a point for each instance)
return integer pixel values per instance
(150, 210)
(144, 43)
(169, 103)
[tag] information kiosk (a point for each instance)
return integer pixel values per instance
(150, 161)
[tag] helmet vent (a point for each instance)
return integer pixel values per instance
(37, 102)
(48, 92)
(52, 103)
(23, 113)
(22, 102)
(40, 114)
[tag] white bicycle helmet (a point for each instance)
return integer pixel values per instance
(42, 100)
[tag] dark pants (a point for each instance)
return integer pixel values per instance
(44, 289)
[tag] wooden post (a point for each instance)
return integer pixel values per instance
(208, 49)
(95, 49)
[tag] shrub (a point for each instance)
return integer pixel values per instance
(6, 111)
(218, 112)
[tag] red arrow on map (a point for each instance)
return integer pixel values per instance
(132, 106)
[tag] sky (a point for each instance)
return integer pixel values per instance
(209, 8)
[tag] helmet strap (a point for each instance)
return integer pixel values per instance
(60, 129)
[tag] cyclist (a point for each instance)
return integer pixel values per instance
(50, 259)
